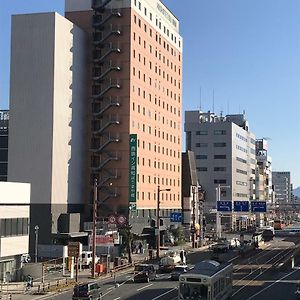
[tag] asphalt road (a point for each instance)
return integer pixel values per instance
(258, 276)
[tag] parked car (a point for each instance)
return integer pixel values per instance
(178, 270)
(144, 272)
(87, 291)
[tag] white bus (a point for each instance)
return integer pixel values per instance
(208, 280)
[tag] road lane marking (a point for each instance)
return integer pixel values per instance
(267, 287)
(230, 260)
(161, 295)
(117, 298)
(144, 287)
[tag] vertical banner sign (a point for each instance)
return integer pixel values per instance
(132, 171)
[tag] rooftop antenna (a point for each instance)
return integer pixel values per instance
(227, 106)
(213, 100)
(200, 107)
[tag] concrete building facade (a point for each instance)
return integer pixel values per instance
(4, 118)
(263, 182)
(47, 110)
(282, 186)
(224, 148)
(14, 227)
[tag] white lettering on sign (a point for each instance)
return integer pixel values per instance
(166, 14)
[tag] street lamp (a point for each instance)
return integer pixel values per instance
(157, 219)
(218, 198)
(36, 230)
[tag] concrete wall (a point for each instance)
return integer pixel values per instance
(14, 203)
(47, 112)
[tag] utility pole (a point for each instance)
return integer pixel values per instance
(218, 219)
(218, 216)
(36, 230)
(95, 200)
(158, 223)
(158, 220)
(193, 217)
(200, 203)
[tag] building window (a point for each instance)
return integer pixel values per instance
(13, 227)
(201, 156)
(241, 171)
(220, 181)
(219, 144)
(220, 156)
(201, 145)
(220, 169)
(219, 132)
(241, 160)
(202, 132)
(202, 169)
(241, 183)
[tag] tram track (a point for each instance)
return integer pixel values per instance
(257, 271)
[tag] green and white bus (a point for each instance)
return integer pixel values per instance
(208, 280)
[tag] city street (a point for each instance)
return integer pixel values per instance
(259, 276)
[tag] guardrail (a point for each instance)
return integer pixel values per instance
(53, 286)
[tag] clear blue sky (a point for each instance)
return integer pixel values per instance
(247, 51)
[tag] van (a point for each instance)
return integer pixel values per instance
(87, 291)
(144, 272)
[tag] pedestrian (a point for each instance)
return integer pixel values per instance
(183, 256)
(140, 247)
(29, 282)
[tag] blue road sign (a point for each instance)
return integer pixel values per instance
(258, 206)
(224, 206)
(241, 206)
(176, 217)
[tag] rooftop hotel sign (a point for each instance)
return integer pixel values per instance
(166, 14)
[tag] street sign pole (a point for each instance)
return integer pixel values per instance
(218, 219)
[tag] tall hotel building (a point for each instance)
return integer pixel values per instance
(134, 88)
(100, 90)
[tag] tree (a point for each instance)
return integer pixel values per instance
(178, 234)
(127, 238)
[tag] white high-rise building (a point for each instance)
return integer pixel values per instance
(224, 148)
